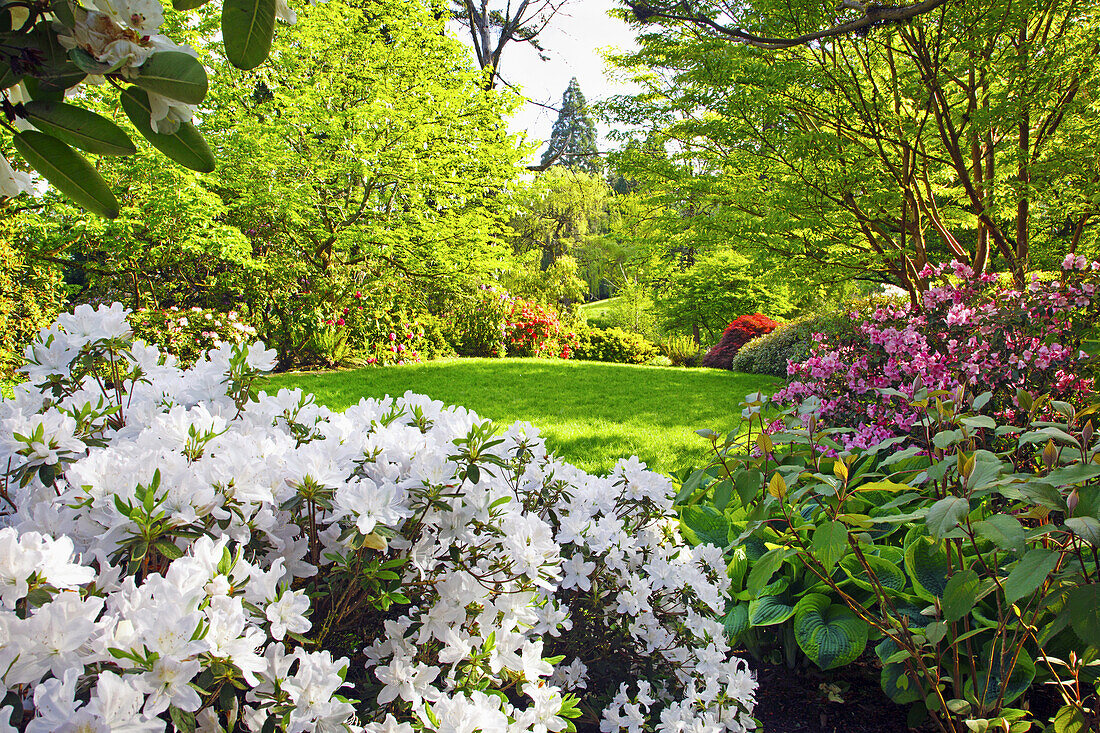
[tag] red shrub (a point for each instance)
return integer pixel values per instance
(740, 331)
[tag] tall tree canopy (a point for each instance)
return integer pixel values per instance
(573, 138)
(967, 132)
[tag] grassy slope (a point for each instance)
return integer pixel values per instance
(590, 413)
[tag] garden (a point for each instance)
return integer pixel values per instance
(325, 409)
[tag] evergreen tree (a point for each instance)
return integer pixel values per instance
(573, 139)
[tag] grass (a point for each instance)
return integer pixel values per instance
(597, 308)
(590, 413)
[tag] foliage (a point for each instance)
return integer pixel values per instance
(557, 211)
(557, 284)
(680, 350)
(53, 48)
(792, 341)
(972, 331)
(968, 560)
(590, 413)
(30, 296)
(212, 552)
(958, 134)
(573, 137)
(190, 333)
(385, 169)
(739, 332)
(704, 298)
(477, 325)
(613, 345)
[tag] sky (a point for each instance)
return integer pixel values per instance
(573, 42)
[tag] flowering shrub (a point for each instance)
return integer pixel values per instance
(177, 547)
(188, 333)
(972, 331)
(369, 331)
(738, 333)
(536, 330)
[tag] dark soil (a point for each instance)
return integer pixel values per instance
(795, 701)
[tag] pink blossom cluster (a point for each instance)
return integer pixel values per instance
(971, 330)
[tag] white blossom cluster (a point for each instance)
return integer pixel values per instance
(178, 549)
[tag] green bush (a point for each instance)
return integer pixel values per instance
(30, 298)
(680, 350)
(477, 325)
(613, 345)
(436, 345)
(967, 561)
(189, 333)
(769, 354)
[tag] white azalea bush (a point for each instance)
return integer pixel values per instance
(180, 551)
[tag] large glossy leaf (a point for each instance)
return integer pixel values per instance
(89, 64)
(80, 128)
(897, 685)
(737, 567)
(1029, 573)
(67, 171)
(771, 610)
(1000, 676)
(175, 75)
(887, 574)
(927, 565)
(736, 620)
(708, 525)
(186, 146)
(55, 72)
(1087, 528)
(830, 634)
(764, 568)
(188, 4)
(247, 29)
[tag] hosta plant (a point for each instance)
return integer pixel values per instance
(181, 552)
(968, 559)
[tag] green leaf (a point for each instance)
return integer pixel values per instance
(830, 634)
(887, 574)
(1030, 573)
(945, 515)
(1069, 719)
(188, 4)
(168, 549)
(1087, 528)
(1083, 607)
(927, 565)
(248, 27)
(748, 485)
(1002, 530)
(830, 542)
(723, 492)
(80, 128)
(988, 684)
(736, 620)
(186, 146)
(764, 568)
(960, 595)
(90, 65)
(770, 610)
(979, 421)
(173, 74)
(68, 172)
(708, 525)
(183, 721)
(882, 486)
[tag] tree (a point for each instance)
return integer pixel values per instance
(573, 138)
(370, 161)
(557, 211)
(955, 135)
(492, 28)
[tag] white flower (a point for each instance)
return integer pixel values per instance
(12, 182)
(287, 614)
(405, 678)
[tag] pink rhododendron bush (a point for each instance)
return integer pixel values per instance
(180, 551)
(972, 331)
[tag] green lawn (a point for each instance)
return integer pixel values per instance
(590, 413)
(597, 308)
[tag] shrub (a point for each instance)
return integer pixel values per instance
(613, 345)
(194, 552)
(31, 296)
(770, 353)
(477, 326)
(188, 333)
(972, 331)
(536, 330)
(436, 345)
(738, 333)
(971, 571)
(680, 350)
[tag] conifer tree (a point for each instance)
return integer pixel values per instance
(573, 139)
